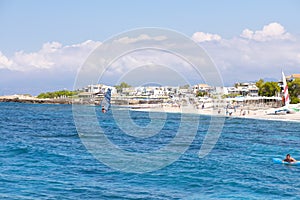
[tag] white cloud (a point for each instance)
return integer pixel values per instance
(142, 37)
(4, 61)
(246, 60)
(51, 47)
(24, 61)
(52, 55)
(140, 58)
(269, 32)
(205, 37)
(142, 66)
(89, 44)
(255, 54)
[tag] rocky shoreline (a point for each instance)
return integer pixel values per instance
(34, 100)
(88, 101)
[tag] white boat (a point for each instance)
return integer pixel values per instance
(281, 112)
(286, 108)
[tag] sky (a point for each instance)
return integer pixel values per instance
(43, 44)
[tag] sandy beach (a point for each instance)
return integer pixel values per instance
(251, 113)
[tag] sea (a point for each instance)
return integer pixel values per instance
(42, 156)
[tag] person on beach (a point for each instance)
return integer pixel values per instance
(103, 109)
(289, 159)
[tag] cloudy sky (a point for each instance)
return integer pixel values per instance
(43, 44)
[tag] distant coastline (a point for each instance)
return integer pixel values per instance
(250, 112)
(34, 100)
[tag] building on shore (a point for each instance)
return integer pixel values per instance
(201, 95)
(292, 77)
(202, 88)
(93, 94)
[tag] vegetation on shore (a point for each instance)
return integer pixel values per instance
(201, 94)
(270, 89)
(267, 89)
(57, 94)
(121, 86)
(294, 90)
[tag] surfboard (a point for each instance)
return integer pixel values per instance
(279, 161)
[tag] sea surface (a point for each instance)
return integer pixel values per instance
(43, 157)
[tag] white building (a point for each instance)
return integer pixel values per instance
(201, 88)
(220, 91)
(96, 90)
(244, 89)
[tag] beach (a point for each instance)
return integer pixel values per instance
(249, 112)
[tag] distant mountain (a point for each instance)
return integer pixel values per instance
(151, 85)
(270, 79)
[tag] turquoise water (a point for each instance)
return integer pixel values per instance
(42, 157)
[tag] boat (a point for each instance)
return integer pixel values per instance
(281, 112)
(286, 100)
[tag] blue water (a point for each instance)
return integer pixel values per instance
(42, 157)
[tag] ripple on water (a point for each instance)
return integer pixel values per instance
(42, 157)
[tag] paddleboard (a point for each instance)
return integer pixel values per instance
(279, 161)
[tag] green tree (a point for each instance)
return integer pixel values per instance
(229, 95)
(201, 94)
(259, 83)
(56, 94)
(294, 90)
(121, 86)
(269, 89)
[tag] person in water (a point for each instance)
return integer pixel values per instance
(289, 159)
(103, 109)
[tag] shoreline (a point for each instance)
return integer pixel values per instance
(242, 113)
(34, 100)
(261, 114)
